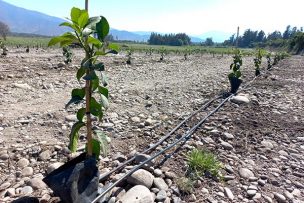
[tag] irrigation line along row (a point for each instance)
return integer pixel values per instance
(187, 135)
(184, 142)
(207, 104)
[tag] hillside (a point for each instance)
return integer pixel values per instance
(22, 20)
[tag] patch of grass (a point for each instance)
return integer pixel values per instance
(202, 162)
(185, 185)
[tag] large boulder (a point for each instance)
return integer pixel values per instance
(141, 177)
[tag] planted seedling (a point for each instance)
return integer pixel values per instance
(150, 51)
(187, 52)
(4, 49)
(268, 57)
(130, 51)
(162, 52)
(235, 74)
(257, 62)
(77, 180)
(67, 53)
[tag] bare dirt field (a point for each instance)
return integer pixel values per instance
(265, 159)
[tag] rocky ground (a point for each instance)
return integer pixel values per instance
(260, 144)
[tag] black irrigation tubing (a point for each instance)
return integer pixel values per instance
(177, 149)
(161, 140)
(187, 135)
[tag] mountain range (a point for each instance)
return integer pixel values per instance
(22, 20)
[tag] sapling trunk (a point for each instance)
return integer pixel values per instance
(88, 114)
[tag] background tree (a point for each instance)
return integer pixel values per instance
(209, 42)
(274, 35)
(179, 39)
(4, 30)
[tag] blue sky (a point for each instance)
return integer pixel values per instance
(191, 16)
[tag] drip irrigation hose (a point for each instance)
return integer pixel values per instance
(103, 176)
(186, 135)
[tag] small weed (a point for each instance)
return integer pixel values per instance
(185, 185)
(202, 162)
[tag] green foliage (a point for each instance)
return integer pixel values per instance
(185, 185)
(84, 30)
(202, 162)
(162, 52)
(257, 62)
(269, 64)
(150, 51)
(208, 42)
(130, 51)
(296, 43)
(179, 39)
(67, 53)
(187, 52)
(4, 49)
(236, 65)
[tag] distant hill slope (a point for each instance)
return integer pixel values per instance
(21, 20)
(26, 21)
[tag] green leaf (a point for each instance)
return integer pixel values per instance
(101, 137)
(71, 25)
(95, 42)
(55, 40)
(77, 96)
(78, 92)
(104, 101)
(86, 63)
(95, 107)
(112, 52)
(238, 74)
(92, 22)
(80, 113)
(65, 39)
(81, 71)
(104, 79)
(96, 148)
(74, 135)
(91, 76)
(83, 19)
(100, 53)
(75, 14)
(99, 66)
(100, 116)
(114, 47)
(87, 32)
(66, 42)
(104, 91)
(231, 75)
(102, 28)
(95, 84)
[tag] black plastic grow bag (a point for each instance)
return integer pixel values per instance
(235, 84)
(76, 181)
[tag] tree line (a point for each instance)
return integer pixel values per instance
(292, 39)
(179, 39)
